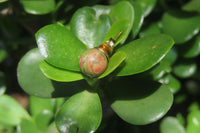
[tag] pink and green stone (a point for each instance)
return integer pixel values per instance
(93, 62)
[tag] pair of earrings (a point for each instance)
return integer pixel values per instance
(93, 62)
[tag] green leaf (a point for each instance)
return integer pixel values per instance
(147, 6)
(38, 7)
(38, 105)
(138, 18)
(90, 28)
(171, 125)
(52, 128)
(60, 47)
(144, 53)
(181, 26)
(171, 57)
(1, 1)
(139, 102)
(159, 71)
(32, 80)
(43, 119)
(28, 126)
(191, 6)
(185, 68)
(173, 83)
(193, 120)
(119, 13)
(11, 112)
(101, 9)
(190, 49)
(116, 28)
(58, 74)
(114, 62)
(3, 54)
(152, 28)
(80, 114)
(2, 83)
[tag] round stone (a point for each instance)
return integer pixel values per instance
(93, 62)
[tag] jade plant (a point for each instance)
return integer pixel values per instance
(52, 70)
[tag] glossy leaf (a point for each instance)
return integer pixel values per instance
(144, 53)
(190, 49)
(147, 6)
(138, 18)
(52, 128)
(58, 74)
(60, 47)
(118, 13)
(185, 68)
(117, 27)
(181, 26)
(32, 80)
(171, 125)
(159, 71)
(171, 57)
(43, 119)
(90, 28)
(80, 114)
(193, 120)
(139, 102)
(38, 105)
(11, 111)
(114, 62)
(193, 5)
(150, 29)
(101, 9)
(38, 7)
(173, 83)
(28, 126)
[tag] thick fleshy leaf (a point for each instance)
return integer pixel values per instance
(37, 105)
(171, 125)
(90, 28)
(38, 7)
(171, 57)
(138, 18)
(59, 74)
(150, 29)
(139, 102)
(147, 6)
(43, 119)
(144, 53)
(118, 13)
(80, 114)
(32, 80)
(181, 26)
(190, 49)
(159, 71)
(193, 120)
(173, 83)
(60, 47)
(193, 5)
(28, 126)
(185, 68)
(102, 9)
(114, 62)
(117, 27)
(52, 128)
(11, 111)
